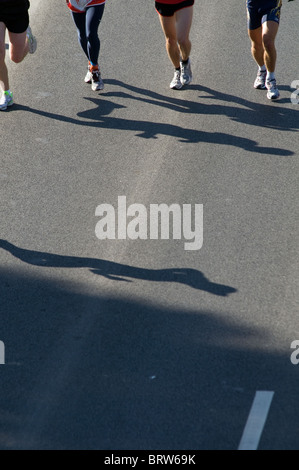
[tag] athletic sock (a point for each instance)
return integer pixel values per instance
(185, 62)
(270, 76)
(94, 68)
(262, 68)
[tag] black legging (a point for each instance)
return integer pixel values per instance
(87, 24)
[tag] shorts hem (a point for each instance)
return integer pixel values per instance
(169, 16)
(168, 11)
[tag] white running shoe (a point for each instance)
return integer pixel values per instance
(31, 41)
(88, 77)
(6, 100)
(176, 83)
(260, 81)
(97, 83)
(186, 73)
(273, 92)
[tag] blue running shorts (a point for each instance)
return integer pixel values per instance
(260, 11)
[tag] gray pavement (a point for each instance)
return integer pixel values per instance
(141, 344)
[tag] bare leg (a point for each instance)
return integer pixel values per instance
(19, 46)
(257, 47)
(269, 33)
(183, 27)
(3, 69)
(169, 28)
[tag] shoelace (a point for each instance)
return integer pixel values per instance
(6, 97)
(272, 83)
(185, 70)
(96, 76)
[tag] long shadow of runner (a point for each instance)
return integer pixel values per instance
(117, 271)
(246, 111)
(99, 118)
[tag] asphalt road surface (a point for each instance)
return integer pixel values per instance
(140, 343)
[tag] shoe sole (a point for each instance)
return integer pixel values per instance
(4, 109)
(33, 47)
(176, 87)
(260, 87)
(187, 83)
(97, 88)
(31, 41)
(273, 97)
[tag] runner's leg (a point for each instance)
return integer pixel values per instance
(257, 47)
(80, 22)
(4, 82)
(168, 24)
(183, 26)
(93, 18)
(19, 46)
(269, 32)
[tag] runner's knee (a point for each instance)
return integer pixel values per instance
(92, 37)
(171, 41)
(268, 42)
(184, 42)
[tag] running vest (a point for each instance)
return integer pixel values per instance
(78, 6)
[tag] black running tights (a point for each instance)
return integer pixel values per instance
(87, 24)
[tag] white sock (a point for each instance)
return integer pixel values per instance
(262, 68)
(270, 76)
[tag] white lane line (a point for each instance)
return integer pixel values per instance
(2, 353)
(256, 421)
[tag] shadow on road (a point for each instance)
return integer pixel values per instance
(247, 112)
(95, 372)
(117, 271)
(264, 116)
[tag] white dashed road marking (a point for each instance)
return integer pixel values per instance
(256, 421)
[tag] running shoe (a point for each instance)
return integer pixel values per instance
(31, 41)
(88, 76)
(260, 81)
(186, 73)
(6, 100)
(273, 92)
(176, 83)
(96, 79)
